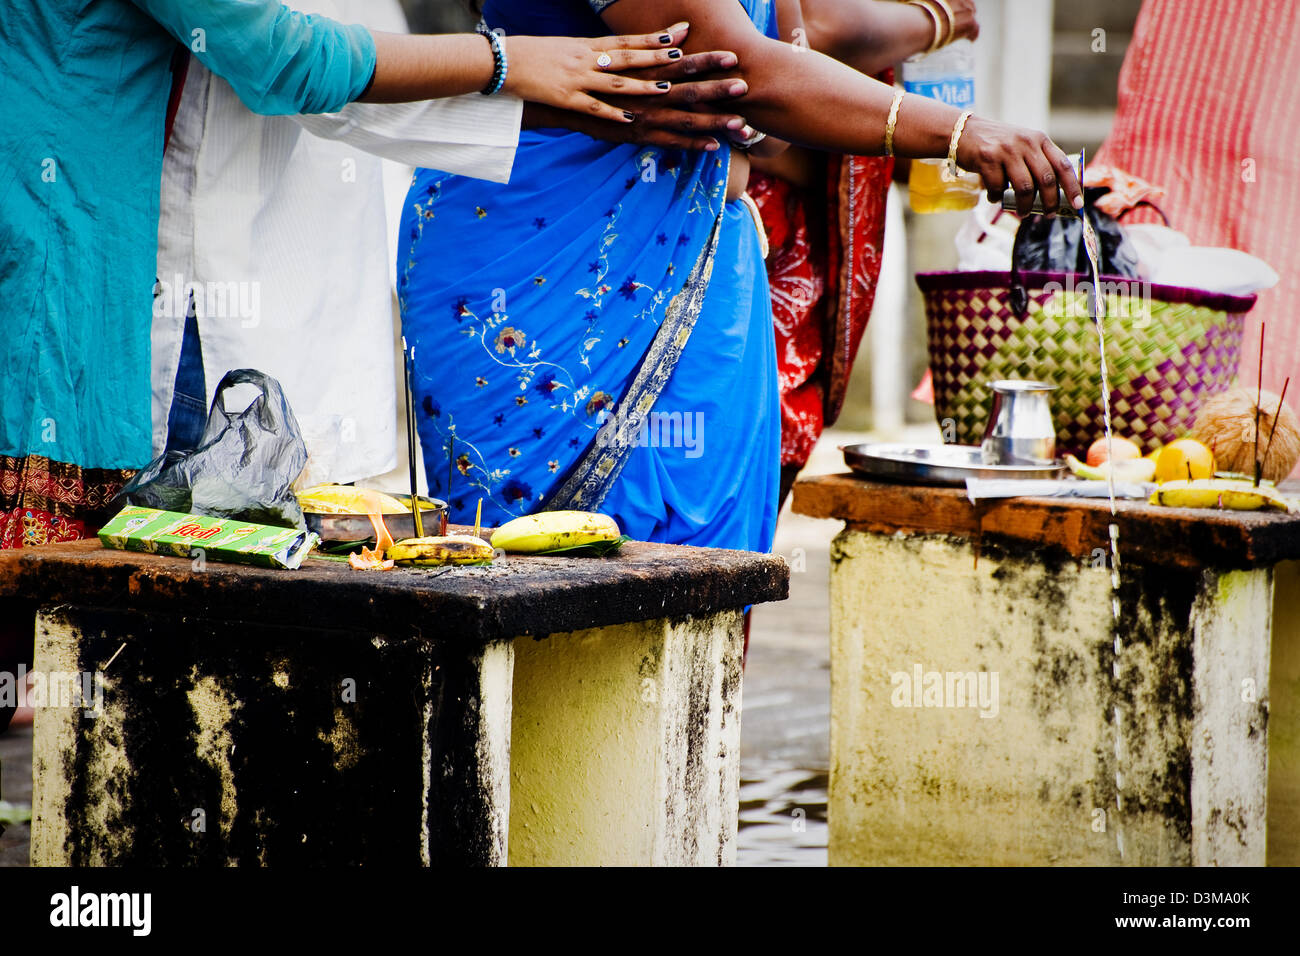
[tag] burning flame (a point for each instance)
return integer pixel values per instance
(369, 560)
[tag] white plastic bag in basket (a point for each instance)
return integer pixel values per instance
(984, 240)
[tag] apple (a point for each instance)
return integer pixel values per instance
(1124, 450)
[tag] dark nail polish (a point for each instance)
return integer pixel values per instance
(665, 38)
(664, 85)
(674, 54)
(630, 117)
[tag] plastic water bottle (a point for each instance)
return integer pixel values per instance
(946, 75)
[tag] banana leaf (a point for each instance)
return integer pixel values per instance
(596, 549)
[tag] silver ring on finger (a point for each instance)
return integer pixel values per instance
(604, 61)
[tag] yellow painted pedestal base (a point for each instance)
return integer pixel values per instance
(988, 712)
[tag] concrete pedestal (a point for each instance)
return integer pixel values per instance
(235, 716)
(987, 710)
(626, 745)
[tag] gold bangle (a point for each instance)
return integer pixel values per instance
(933, 15)
(951, 32)
(893, 121)
(957, 130)
(944, 24)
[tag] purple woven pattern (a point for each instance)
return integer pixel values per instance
(969, 281)
(1164, 359)
(1141, 409)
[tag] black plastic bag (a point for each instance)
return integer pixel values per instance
(243, 468)
(1055, 243)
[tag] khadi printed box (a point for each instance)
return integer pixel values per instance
(219, 539)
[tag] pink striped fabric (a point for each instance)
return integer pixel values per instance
(1209, 107)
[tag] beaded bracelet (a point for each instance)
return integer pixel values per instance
(502, 67)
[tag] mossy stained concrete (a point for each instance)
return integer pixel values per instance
(224, 744)
(626, 743)
(1137, 744)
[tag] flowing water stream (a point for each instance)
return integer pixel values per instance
(1097, 311)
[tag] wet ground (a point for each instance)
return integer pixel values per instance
(785, 724)
(15, 790)
(785, 727)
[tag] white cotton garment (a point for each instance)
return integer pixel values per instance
(279, 227)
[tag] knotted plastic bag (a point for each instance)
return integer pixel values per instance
(1055, 243)
(243, 468)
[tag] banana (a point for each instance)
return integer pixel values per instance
(1141, 470)
(550, 530)
(436, 552)
(347, 500)
(1219, 493)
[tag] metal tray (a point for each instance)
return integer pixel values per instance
(935, 464)
(337, 529)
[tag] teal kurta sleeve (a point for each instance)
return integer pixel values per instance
(278, 60)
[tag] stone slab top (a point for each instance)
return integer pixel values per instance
(1148, 534)
(519, 595)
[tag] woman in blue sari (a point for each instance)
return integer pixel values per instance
(597, 334)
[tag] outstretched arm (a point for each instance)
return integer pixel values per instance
(277, 60)
(808, 98)
(562, 72)
(281, 61)
(873, 35)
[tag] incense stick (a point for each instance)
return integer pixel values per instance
(1259, 396)
(1276, 415)
(408, 361)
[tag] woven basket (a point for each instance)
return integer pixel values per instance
(1167, 350)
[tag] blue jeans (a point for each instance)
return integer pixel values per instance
(189, 411)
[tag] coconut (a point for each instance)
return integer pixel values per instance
(1226, 425)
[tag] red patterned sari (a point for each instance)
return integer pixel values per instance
(823, 269)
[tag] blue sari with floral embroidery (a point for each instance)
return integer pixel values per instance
(533, 306)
